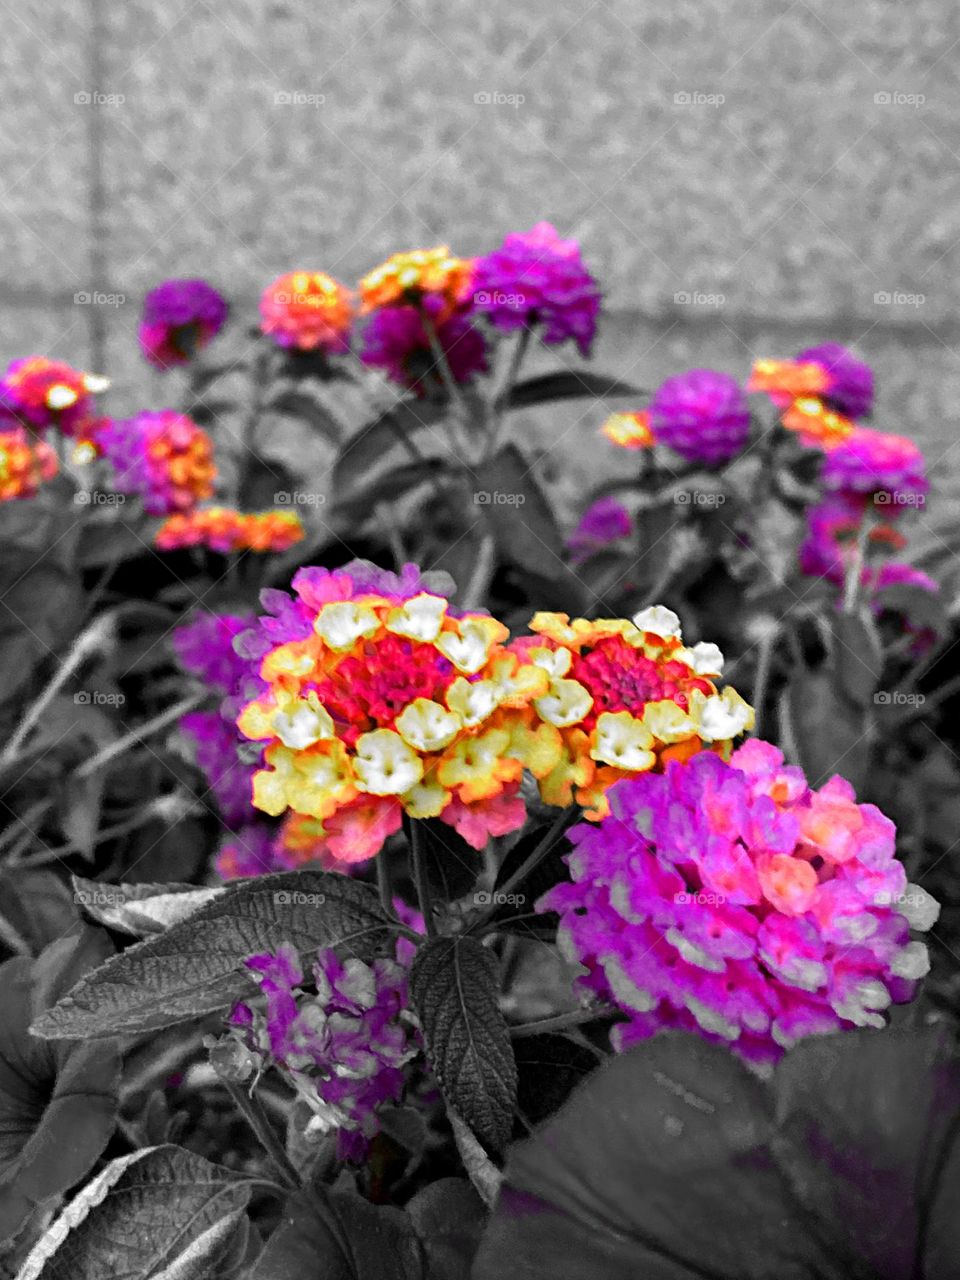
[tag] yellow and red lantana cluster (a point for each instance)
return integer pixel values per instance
(25, 464)
(383, 705)
(625, 697)
(226, 530)
(308, 311)
(408, 278)
(820, 393)
(629, 430)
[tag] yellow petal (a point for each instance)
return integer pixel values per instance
(427, 726)
(419, 618)
(566, 703)
(623, 741)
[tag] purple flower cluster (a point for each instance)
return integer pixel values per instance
(889, 468)
(395, 340)
(849, 381)
(205, 648)
(735, 900)
(702, 415)
(536, 280)
(179, 318)
(215, 746)
(345, 1047)
(602, 523)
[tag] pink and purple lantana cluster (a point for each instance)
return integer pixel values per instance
(736, 900)
(344, 1048)
(180, 317)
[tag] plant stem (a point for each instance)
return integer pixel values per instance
(138, 735)
(532, 861)
(852, 583)
(502, 402)
(483, 570)
(252, 1110)
(452, 387)
(765, 651)
(557, 1023)
(418, 870)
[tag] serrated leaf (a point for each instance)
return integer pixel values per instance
(160, 1213)
(197, 966)
(455, 991)
(310, 409)
(570, 384)
(140, 909)
(368, 447)
(354, 1240)
(519, 515)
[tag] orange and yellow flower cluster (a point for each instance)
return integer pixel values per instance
(226, 530)
(407, 278)
(308, 311)
(629, 430)
(383, 704)
(25, 464)
(625, 697)
(821, 392)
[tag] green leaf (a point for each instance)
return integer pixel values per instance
(452, 865)
(570, 384)
(857, 656)
(518, 513)
(160, 1214)
(549, 1067)
(109, 541)
(922, 608)
(377, 440)
(449, 1218)
(822, 732)
(347, 1239)
(140, 909)
(389, 486)
(455, 991)
(197, 966)
(310, 409)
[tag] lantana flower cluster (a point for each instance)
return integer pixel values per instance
(736, 900)
(164, 457)
(344, 1047)
(378, 700)
(25, 464)
(42, 394)
(180, 318)
(226, 530)
(702, 415)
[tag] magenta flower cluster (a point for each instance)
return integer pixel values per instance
(396, 341)
(702, 415)
(736, 900)
(849, 387)
(180, 317)
(537, 280)
(345, 1047)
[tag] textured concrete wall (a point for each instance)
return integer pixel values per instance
(790, 166)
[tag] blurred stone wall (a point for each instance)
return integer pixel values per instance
(745, 177)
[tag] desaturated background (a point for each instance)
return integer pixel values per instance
(746, 178)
